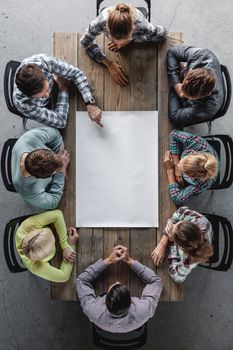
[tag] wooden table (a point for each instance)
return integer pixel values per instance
(148, 90)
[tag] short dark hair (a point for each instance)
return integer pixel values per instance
(198, 82)
(30, 79)
(118, 299)
(42, 163)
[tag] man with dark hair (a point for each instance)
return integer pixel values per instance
(34, 82)
(196, 92)
(116, 311)
(39, 166)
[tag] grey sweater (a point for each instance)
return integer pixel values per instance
(140, 311)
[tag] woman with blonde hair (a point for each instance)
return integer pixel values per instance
(121, 24)
(188, 235)
(35, 244)
(191, 164)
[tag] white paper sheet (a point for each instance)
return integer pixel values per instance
(117, 170)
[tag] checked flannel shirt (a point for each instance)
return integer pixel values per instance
(35, 108)
(179, 264)
(183, 143)
(144, 31)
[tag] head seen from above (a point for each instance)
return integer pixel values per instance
(198, 83)
(188, 236)
(38, 244)
(31, 80)
(118, 299)
(42, 163)
(199, 165)
(120, 23)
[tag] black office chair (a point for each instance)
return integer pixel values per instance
(125, 341)
(223, 144)
(12, 258)
(145, 12)
(227, 95)
(9, 77)
(6, 164)
(222, 258)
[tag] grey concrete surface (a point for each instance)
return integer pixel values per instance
(29, 319)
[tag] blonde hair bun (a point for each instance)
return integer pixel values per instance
(122, 7)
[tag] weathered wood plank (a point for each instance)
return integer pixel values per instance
(171, 290)
(65, 47)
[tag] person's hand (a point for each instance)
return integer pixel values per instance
(95, 114)
(168, 161)
(115, 256)
(158, 253)
(72, 235)
(177, 89)
(118, 73)
(65, 158)
(115, 47)
(168, 228)
(69, 254)
(112, 46)
(125, 254)
(62, 83)
(178, 176)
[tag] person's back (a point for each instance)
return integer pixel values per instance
(116, 311)
(40, 192)
(197, 91)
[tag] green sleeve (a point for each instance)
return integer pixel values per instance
(46, 218)
(47, 271)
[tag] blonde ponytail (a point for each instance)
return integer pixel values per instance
(38, 244)
(120, 22)
(201, 165)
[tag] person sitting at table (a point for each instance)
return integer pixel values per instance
(121, 24)
(197, 91)
(191, 164)
(116, 311)
(188, 235)
(35, 244)
(34, 82)
(39, 165)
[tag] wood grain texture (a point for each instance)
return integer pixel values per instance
(147, 90)
(65, 47)
(171, 291)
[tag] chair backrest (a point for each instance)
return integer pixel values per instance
(9, 77)
(125, 341)
(12, 258)
(227, 92)
(222, 243)
(145, 12)
(223, 144)
(6, 164)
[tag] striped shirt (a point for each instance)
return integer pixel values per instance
(183, 143)
(143, 31)
(35, 108)
(179, 263)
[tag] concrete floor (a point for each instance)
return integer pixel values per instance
(29, 319)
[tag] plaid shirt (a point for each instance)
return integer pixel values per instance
(183, 143)
(35, 108)
(179, 263)
(144, 31)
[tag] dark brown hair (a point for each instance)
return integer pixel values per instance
(120, 22)
(199, 82)
(30, 79)
(118, 299)
(42, 163)
(191, 239)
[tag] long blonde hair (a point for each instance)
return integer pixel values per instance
(38, 244)
(201, 165)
